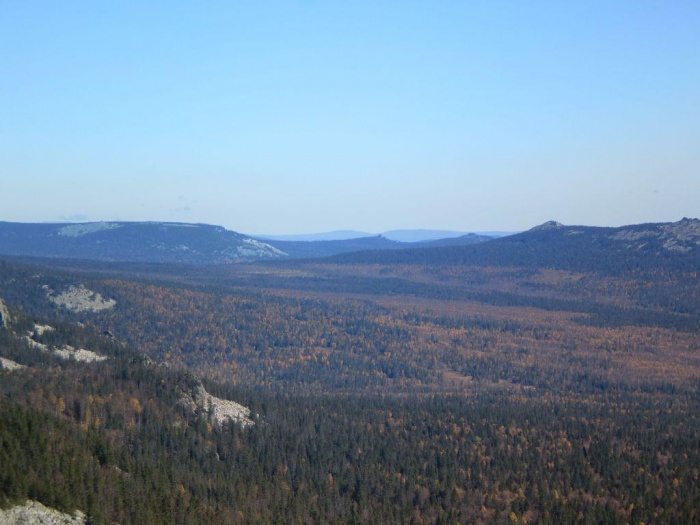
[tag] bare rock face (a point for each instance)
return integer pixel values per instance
(80, 299)
(64, 352)
(79, 230)
(219, 411)
(34, 513)
(79, 354)
(682, 236)
(10, 365)
(252, 249)
(4, 314)
(549, 225)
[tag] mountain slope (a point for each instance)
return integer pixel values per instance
(405, 236)
(312, 249)
(133, 241)
(576, 248)
(87, 437)
(182, 243)
(336, 235)
(462, 240)
(421, 235)
(578, 407)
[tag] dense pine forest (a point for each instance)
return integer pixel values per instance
(379, 393)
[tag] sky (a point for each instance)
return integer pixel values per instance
(282, 117)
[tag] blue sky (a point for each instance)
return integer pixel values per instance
(306, 116)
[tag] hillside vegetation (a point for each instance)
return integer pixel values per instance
(611, 251)
(178, 243)
(379, 392)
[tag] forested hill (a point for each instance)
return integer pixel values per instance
(377, 394)
(311, 249)
(106, 432)
(615, 251)
(133, 242)
(178, 243)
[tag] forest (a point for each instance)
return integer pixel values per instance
(382, 393)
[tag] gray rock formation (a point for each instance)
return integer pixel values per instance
(218, 411)
(4, 314)
(34, 513)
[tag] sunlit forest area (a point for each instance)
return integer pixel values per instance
(381, 393)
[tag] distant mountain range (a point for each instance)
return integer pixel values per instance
(421, 235)
(551, 245)
(413, 236)
(625, 249)
(133, 242)
(336, 235)
(310, 249)
(166, 242)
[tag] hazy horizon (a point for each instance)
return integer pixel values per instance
(305, 116)
(400, 234)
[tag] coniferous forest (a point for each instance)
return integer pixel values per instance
(378, 392)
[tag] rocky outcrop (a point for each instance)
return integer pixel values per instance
(64, 352)
(254, 249)
(79, 354)
(682, 236)
(34, 513)
(217, 410)
(549, 225)
(78, 230)
(9, 365)
(81, 299)
(4, 314)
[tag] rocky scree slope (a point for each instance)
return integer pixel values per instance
(34, 513)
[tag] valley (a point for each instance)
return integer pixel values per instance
(486, 386)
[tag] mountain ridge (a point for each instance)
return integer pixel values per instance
(549, 245)
(408, 236)
(362, 379)
(173, 242)
(625, 249)
(133, 242)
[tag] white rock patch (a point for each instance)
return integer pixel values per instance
(219, 410)
(253, 248)
(8, 364)
(40, 329)
(67, 352)
(78, 230)
(34, 513)
(679, 236)
(34, 344)
(81, 299)
(4, 314)
(86, 356)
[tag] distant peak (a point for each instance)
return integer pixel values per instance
(686, 226)
(549, 225)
